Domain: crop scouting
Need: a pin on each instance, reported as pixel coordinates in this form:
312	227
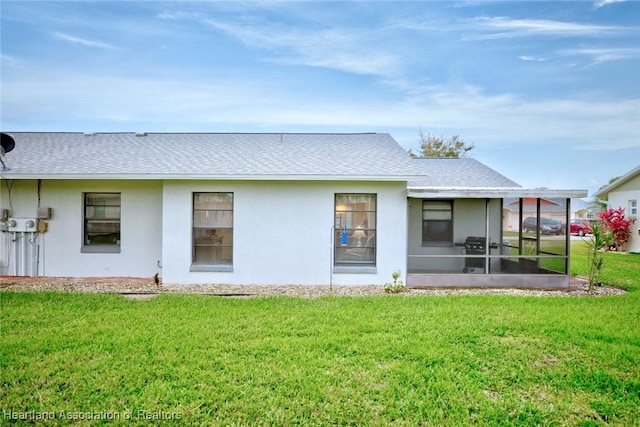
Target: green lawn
482	359
620	269
552	248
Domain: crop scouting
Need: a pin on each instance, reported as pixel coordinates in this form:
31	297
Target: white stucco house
624	192
243	208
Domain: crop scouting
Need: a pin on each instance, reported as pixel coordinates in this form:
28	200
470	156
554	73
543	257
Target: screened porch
478	239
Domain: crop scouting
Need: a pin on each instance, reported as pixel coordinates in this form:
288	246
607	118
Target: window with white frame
355	230
212	229
101	222
437	222
633	208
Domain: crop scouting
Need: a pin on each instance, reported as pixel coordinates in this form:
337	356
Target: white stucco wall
620	197
282	232
59	249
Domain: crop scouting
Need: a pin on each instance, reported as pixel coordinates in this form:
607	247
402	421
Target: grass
620	269
552	250
191	359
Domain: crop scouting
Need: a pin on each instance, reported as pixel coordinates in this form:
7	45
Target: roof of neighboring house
546	205
468	178
585	204
306	156
617	183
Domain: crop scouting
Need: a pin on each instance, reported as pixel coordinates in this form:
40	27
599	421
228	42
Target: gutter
262	177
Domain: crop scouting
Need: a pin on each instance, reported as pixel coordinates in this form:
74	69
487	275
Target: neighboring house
550	208
587	209
306	209
625	192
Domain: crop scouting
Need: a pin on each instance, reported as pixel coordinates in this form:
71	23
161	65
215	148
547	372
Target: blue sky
549	92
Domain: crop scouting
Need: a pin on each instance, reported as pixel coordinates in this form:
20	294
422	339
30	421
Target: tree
616	223
438	146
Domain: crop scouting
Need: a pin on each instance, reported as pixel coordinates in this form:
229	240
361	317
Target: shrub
619	226
397	286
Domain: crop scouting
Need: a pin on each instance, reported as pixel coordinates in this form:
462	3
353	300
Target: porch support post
487	245
567	237
520	216
538	229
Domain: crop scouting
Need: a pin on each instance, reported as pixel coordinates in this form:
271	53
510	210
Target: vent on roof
89	134
140	134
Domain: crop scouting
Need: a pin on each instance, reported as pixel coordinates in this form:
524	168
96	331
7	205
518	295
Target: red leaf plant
616	223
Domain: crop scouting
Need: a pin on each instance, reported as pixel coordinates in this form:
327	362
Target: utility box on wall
44	213
22	225
43	226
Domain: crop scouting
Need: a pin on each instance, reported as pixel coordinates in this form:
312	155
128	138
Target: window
212	229
633	208
101	222
437	222
355	230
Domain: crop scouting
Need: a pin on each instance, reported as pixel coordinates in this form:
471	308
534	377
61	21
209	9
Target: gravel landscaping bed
143	288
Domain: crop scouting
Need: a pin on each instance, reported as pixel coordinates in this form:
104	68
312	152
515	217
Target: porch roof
424	192
451	178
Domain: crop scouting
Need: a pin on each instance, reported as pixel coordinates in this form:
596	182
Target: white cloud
9	60
348	50
84	42
599	56
601	3
503	27
233	103
530	58
188	100
595	55
179	15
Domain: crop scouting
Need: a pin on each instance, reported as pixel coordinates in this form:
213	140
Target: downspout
34	252
24	254
333	235
36	266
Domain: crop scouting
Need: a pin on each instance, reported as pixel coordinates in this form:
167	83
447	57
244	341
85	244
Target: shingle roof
459	173
468	178
213	155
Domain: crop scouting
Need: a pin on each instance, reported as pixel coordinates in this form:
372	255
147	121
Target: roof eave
618	182
221	177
